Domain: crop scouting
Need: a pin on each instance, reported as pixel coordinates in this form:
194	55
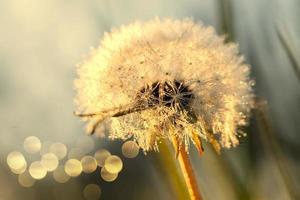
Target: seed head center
173	94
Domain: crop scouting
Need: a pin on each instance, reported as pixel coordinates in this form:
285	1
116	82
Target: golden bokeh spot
130	149
20	170
73	167
101	156
89	164
16	161
49	161
26	180
59	149
92	192
32	144
60	175
37	170
113	164
107	176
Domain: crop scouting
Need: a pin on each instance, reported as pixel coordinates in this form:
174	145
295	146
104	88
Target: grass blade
287	43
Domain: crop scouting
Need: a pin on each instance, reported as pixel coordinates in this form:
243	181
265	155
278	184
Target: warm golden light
25	179
130	149
16	161
32	144
20	170
108	177
73	167
59	149
49	161
60	175
113	164
101	156
85	143
37	170
89	164
92	192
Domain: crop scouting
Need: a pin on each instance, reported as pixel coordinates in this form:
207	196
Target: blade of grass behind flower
291	51
237	185
226	19
268	138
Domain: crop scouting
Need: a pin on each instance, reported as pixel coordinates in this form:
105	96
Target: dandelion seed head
166	79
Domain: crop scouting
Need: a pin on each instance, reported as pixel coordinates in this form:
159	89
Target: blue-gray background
41	41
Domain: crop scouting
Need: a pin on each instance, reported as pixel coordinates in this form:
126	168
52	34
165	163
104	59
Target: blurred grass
268	137
226	27
226	19
287	43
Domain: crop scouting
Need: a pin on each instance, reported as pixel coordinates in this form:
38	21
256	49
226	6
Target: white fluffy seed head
132	82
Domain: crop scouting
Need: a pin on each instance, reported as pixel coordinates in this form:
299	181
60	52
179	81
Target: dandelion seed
172	79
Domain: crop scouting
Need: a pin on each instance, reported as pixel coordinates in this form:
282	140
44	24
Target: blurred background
42	41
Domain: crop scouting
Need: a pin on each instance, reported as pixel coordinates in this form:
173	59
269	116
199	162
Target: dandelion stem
188	173
167	164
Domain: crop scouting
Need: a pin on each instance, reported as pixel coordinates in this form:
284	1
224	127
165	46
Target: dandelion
166	79
172	79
